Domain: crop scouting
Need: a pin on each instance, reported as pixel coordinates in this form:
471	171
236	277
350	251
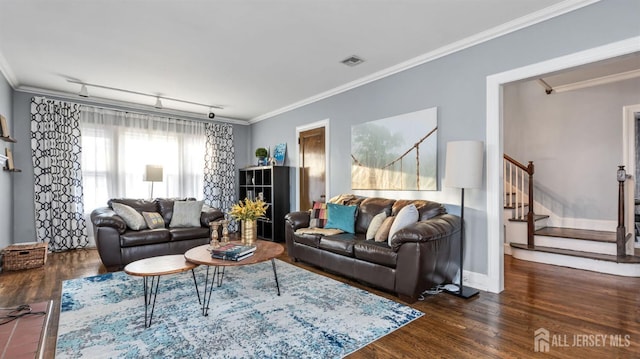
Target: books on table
233	252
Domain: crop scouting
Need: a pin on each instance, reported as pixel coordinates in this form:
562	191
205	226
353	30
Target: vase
249	231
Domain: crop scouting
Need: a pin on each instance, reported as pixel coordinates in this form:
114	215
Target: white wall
574	139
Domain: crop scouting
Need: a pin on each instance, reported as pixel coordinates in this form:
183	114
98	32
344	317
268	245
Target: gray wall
6	178
24	223
575	141
456	84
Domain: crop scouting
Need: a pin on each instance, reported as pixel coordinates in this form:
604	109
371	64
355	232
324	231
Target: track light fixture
84	93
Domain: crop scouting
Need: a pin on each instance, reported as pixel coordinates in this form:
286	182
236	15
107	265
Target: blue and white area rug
315	316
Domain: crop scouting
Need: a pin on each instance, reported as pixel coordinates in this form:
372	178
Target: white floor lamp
153	173
463	169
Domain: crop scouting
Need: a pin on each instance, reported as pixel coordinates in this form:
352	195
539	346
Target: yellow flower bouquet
249	210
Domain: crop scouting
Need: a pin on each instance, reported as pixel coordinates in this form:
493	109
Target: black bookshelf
273	183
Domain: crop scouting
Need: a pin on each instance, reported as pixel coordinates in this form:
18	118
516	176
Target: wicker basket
25	256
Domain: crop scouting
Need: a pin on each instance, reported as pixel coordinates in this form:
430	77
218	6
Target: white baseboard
476	280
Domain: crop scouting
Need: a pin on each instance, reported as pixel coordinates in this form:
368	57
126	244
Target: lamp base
466	292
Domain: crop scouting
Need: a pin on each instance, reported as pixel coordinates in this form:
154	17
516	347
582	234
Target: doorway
494	152
312	173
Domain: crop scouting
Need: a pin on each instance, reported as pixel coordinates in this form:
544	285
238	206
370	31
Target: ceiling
254	58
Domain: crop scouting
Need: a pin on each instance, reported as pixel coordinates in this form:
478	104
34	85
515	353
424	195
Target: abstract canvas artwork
396	153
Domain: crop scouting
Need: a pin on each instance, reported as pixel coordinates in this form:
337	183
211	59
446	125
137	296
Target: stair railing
514	190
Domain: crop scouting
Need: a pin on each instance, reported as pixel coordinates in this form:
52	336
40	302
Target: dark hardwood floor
576	307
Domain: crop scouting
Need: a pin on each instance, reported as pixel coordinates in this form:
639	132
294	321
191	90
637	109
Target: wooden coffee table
150	269
200	255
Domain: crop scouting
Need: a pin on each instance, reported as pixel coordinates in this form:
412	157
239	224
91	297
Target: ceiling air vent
352	61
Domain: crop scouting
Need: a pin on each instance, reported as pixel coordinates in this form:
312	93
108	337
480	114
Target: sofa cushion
186	214
426	209
154	220
318	216
341	217
382	234
375	252
339	244
144	237
181	234
311	240
369	208
131	217
140	205
408	215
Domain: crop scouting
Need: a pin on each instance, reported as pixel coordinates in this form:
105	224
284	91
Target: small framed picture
9	154
280	153
4	126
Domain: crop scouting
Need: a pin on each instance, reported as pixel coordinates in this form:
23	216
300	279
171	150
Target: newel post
621	231
530	219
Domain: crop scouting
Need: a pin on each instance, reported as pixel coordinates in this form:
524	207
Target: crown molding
603	80
484	36
129	105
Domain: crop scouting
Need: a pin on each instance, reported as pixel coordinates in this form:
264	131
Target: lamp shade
463	166
153	173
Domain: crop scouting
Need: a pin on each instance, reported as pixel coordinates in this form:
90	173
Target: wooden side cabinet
272	183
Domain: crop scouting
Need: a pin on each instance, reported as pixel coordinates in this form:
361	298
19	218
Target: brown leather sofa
119	245
421	256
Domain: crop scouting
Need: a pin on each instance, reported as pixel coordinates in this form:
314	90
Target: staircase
528	236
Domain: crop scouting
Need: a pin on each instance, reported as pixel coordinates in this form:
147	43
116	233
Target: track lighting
83	91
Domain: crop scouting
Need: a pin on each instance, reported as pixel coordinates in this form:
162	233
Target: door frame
629	161
327	154
495	144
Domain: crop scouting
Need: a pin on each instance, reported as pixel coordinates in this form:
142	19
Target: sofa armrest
106	217
432	229
297	220
209	215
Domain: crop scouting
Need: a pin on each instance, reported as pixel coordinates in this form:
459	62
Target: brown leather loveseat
119	245
421	255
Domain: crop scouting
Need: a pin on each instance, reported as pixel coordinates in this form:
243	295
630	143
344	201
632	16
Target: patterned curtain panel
219	168
55	143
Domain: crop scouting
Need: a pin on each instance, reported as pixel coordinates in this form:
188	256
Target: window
116	147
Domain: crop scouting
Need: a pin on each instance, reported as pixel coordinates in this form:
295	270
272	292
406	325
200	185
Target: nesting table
201	256
150	269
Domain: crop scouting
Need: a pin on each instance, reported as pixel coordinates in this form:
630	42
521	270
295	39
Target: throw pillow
375	224
154	219
318	216
341	217
383	232
186	214
406	216
131	217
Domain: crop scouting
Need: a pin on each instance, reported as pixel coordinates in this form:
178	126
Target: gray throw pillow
186	214
131	217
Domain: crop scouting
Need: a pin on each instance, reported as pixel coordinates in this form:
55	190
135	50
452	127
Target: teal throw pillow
341	217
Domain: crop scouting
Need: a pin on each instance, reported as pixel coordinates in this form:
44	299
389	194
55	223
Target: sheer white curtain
116	147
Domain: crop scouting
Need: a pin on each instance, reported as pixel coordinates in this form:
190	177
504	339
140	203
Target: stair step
585	234
568	252
536	217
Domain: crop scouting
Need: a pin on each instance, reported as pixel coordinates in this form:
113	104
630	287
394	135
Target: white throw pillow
186	214
132	218
406	216
376	222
